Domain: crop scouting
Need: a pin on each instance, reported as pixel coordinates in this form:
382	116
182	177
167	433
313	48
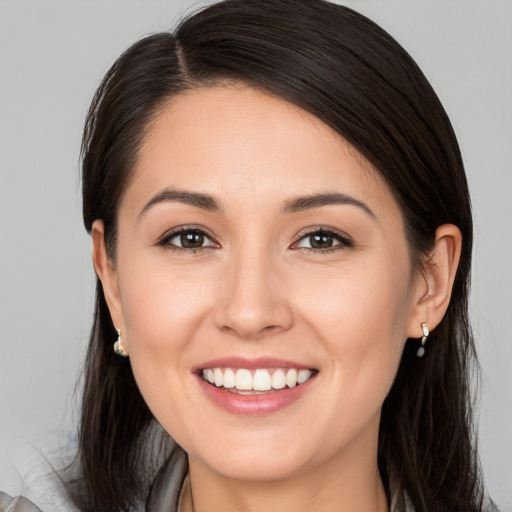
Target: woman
282	237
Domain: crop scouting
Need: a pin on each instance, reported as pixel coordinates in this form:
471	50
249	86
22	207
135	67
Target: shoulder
166	488
31	477
17	504
489	506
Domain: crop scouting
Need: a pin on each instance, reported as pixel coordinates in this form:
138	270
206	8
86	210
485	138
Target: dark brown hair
347	71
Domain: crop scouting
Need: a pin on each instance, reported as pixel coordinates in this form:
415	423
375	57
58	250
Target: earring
426	332
118	347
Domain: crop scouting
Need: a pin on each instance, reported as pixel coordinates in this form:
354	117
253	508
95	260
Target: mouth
254	386
244	381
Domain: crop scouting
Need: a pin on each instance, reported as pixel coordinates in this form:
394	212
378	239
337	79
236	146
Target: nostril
248	333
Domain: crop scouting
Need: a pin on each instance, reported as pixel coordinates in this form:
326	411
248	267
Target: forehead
239	142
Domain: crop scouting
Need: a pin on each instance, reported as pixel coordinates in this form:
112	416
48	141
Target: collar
165	491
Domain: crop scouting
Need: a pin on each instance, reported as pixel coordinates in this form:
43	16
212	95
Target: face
257	249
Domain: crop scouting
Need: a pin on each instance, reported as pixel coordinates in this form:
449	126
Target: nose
253	300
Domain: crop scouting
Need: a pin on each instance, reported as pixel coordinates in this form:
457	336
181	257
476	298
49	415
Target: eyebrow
298	204
302	203
203	201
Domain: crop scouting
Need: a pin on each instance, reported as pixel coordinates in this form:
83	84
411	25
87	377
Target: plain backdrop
53	54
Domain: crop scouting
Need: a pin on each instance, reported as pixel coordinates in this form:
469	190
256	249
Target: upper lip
250	363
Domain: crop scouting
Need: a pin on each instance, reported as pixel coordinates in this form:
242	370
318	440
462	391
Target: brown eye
191	240
188	239
321	241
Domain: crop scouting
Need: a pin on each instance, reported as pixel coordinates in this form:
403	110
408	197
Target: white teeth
219	377
256	380
291	378
278	379
262	381
303	376
243	380
229	379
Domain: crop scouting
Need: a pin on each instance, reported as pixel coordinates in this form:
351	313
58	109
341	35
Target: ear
107	274
434	281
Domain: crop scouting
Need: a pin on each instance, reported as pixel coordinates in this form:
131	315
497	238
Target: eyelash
344	240
184	230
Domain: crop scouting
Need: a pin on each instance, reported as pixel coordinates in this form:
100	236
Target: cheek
162	310
361	318
370	306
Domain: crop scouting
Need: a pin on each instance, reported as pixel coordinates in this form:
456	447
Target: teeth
243	380
291	378
262	381
229	379
303	376
258	380
219	378
278	379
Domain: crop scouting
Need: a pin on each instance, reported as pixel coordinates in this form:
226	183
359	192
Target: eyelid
178	230
342	237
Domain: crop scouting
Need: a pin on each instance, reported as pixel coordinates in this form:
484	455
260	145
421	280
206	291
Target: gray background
52	56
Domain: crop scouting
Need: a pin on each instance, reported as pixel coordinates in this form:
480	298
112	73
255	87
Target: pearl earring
118	345
426	332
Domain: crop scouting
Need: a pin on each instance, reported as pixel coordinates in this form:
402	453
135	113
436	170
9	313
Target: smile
254	387
245	381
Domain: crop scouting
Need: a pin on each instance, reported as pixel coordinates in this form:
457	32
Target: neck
348	481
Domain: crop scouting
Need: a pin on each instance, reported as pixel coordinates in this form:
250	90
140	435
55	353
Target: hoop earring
426	332
118	345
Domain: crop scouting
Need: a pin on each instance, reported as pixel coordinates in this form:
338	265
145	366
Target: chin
256	460
257	469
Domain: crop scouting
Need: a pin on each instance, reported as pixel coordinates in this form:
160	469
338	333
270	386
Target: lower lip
254	405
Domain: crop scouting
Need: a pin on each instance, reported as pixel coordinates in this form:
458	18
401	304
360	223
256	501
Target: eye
323	240
192	239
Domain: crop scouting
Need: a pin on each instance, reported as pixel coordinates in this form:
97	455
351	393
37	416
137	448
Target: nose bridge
253	299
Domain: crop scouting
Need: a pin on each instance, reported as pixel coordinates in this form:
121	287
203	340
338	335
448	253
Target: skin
259	290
